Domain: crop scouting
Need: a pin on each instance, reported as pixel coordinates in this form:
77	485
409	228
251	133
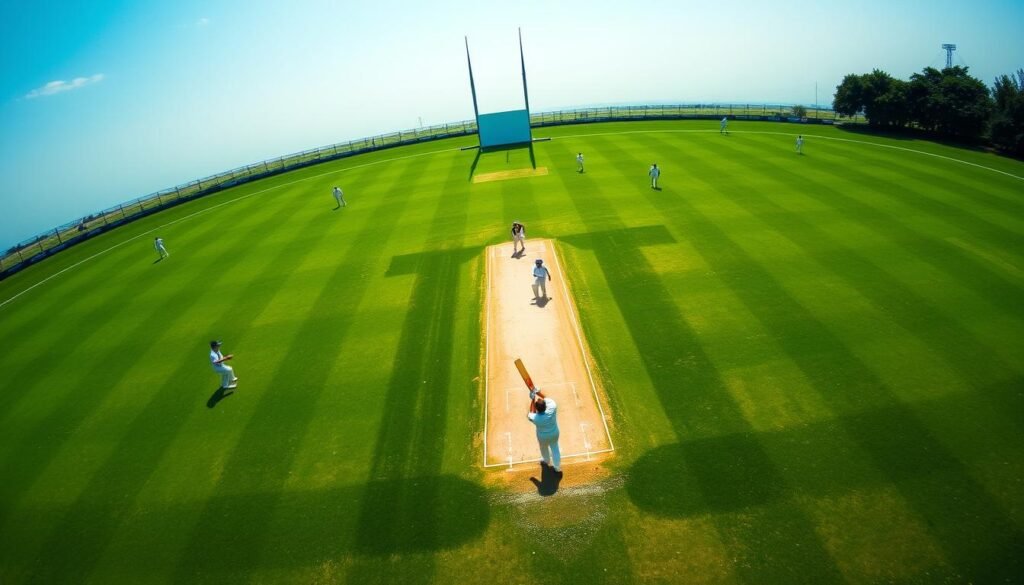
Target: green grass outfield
814	368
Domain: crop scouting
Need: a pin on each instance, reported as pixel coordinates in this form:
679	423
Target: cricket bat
525	375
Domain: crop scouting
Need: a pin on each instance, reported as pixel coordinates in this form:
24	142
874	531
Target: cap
214	343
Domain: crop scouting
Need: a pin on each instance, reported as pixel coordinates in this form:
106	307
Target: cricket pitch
547	336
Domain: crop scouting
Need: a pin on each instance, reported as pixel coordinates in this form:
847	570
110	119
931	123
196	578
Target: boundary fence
48	243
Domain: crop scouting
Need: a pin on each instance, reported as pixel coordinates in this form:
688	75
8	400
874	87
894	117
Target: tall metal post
526	94
472	85
949	48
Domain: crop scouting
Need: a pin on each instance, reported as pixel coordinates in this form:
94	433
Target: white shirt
655	172
337	192
547	421
723	121
158	243
521	233
215	356
579	158
541	271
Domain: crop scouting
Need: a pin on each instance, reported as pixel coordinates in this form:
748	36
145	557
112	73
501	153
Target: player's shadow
160	259
547	485
541	302
219	395
518	254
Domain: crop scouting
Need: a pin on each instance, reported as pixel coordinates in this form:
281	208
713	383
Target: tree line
948	102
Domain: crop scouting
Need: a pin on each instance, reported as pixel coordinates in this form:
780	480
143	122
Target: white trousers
540	286
162	251
549	451
227	375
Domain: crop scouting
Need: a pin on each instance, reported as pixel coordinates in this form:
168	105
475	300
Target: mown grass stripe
934	482
971	208
397	513
94	518
944	334
697	403
75	407
261	460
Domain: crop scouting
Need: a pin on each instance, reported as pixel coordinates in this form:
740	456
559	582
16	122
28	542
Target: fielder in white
158	244
579	163
227	373
800	144
518	237
541	276
723	129
543	414
339	196
654	173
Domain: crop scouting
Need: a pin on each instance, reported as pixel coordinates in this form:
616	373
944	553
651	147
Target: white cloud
60	86
202	22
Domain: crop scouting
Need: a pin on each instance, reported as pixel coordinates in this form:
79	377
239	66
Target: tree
799	111
849	100
924	98
881	97
885	99
966	104
1007	127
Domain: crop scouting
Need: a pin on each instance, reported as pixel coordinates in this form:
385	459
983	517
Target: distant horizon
103	101
4	247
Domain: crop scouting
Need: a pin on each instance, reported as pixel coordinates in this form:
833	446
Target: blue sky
103	101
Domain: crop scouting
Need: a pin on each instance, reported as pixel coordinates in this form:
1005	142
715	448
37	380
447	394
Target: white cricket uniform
520	236
800	144
579	162
227	373
339	197
158	244
547	433
655	172
725	121
540	281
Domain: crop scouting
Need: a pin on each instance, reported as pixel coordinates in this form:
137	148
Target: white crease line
586	442
564	457
583	352
509	435
487	350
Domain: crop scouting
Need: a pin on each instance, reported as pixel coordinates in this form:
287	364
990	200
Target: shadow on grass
856	455
472	167
548	483
457	513
310	527
689	479
219	395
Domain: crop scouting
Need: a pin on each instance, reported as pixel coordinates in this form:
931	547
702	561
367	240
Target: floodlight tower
949	48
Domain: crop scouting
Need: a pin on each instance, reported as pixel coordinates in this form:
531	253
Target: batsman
543	414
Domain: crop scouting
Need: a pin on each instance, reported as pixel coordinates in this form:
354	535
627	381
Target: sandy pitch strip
548	339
